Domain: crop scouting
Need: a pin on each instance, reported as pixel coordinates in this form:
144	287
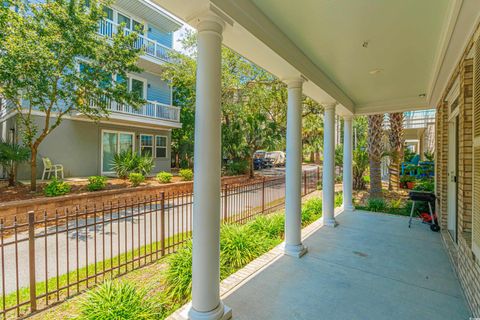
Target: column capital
348	117
209	19
295	82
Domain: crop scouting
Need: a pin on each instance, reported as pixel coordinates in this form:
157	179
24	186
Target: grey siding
77	146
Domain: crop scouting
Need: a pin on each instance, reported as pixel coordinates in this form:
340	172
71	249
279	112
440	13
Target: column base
330	222
295	251
222	312
349	208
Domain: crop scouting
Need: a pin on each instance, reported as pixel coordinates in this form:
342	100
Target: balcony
150	47
152	109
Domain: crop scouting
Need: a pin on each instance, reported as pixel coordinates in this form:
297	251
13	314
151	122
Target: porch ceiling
403	40
412	46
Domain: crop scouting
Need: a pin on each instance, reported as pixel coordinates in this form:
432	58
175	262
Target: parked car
261	161
278	158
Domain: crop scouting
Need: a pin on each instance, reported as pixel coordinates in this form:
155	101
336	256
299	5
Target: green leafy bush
237	167
178	276
311	210
56	188
239	245
186	174
164	177
271	227
338	199
425	185
395	203
127	162
96	183
118	300
136	178
376	205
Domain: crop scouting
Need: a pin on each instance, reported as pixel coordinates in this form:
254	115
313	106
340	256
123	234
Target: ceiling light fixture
422	95
365	44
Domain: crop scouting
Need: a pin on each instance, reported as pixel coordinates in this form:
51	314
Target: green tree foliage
253	107
53	61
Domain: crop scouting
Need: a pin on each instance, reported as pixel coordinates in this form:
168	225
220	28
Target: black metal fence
59	254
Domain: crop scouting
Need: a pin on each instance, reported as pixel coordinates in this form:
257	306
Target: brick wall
465	263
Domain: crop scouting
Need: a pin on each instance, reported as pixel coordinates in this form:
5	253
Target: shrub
395	204
311	210
271	227
376	205
239	245
425	185
338	199
186	174
136	178
96	183
56	188
178	275
237	167
127	162
118	300
164	177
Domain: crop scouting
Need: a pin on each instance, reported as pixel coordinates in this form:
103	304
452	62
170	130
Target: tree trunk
251	174
177	160
11	176
375	133
33	170
312	157
396	139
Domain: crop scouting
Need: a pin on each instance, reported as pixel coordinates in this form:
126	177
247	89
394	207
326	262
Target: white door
452	177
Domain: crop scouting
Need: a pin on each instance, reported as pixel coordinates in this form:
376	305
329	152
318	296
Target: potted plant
407	182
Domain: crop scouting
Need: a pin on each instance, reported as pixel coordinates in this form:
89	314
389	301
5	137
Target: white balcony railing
150	47
151	109
5	107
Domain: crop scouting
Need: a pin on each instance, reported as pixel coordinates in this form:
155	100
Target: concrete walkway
370	267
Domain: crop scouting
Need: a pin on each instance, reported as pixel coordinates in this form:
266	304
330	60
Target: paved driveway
370	267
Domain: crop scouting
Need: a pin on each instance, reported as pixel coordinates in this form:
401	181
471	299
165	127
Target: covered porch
372	266
354	58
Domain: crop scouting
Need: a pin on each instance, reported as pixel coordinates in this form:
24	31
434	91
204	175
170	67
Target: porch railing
150	47
151	109
48	256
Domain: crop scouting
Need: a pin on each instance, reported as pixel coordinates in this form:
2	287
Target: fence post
304	183
162	224
31	261
263	195
225	203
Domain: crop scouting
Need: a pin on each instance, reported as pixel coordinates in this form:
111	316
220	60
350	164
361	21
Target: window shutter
476	152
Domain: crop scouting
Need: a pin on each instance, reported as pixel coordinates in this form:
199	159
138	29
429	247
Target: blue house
146	130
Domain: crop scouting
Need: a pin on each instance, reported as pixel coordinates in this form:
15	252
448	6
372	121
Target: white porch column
347	163
206	304
329	166
293	197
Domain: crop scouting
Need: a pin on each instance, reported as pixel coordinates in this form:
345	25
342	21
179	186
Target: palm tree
395	138
11	154
375	146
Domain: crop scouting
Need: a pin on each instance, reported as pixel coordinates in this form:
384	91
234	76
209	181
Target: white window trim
166	146
116	11
118	146
140	143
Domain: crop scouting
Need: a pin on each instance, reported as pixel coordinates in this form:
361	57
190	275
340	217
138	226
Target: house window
125	20
108	13
114	142
146	145
161	146
138	86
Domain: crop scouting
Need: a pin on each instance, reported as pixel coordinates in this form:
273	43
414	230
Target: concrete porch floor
370	267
